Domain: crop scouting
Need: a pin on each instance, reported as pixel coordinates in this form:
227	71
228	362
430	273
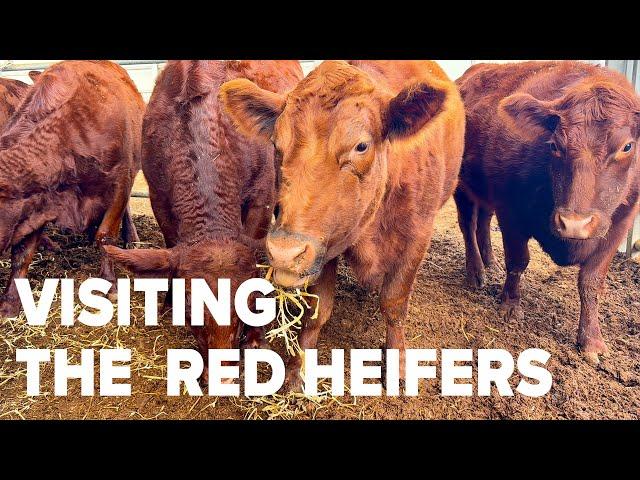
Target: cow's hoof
475	279
592	350
511	311
292	383
49	245
591	358
254	339
494	267
9	309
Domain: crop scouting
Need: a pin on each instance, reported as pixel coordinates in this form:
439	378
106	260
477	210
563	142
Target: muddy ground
443	314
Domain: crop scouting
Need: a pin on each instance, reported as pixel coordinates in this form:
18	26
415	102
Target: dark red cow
212	189
68	156
551	148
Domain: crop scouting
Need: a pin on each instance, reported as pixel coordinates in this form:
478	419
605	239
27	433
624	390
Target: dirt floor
443	314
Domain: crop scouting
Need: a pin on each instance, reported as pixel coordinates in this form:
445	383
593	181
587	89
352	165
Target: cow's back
77	130
88	106
194	159
483	85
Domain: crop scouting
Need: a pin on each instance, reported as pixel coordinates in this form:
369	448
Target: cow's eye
627	147
362	147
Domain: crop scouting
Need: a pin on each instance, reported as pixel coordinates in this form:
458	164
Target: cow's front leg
107	234
591	281
394	303
129	232
516	253
308	338
483	234
468	222
396	291
21	257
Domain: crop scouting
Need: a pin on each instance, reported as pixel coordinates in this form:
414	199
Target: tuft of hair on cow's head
528	116
50	91
253	110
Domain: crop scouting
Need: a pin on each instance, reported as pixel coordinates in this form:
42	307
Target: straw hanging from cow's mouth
292	305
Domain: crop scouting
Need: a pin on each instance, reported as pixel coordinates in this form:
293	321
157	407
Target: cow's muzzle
574	225
297	259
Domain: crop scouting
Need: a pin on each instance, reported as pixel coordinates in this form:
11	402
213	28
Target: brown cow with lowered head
212	189
68	156
370	151
11	94
551	147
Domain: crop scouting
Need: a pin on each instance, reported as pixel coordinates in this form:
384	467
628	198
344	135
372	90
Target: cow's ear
529	116
51	92
34	74
143	262
253	109
411	109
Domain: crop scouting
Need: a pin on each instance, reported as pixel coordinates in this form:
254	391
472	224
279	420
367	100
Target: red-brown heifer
551	148
212	189
370	151
68	156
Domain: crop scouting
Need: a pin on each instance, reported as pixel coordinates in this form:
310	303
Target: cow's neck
376	242
212	207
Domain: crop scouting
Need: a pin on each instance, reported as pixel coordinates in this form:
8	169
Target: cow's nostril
286	254
576	222
298	258
575	225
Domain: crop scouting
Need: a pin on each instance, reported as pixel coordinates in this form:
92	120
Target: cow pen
443	311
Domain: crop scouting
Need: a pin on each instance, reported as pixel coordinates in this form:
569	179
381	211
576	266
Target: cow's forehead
598	105
334	94
352	117
328	85
579	129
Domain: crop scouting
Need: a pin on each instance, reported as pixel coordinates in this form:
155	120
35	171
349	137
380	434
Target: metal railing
17	67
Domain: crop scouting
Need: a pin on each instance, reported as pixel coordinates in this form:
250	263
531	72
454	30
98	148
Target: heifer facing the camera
11	94
551	147
370	151
212	189
68	156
